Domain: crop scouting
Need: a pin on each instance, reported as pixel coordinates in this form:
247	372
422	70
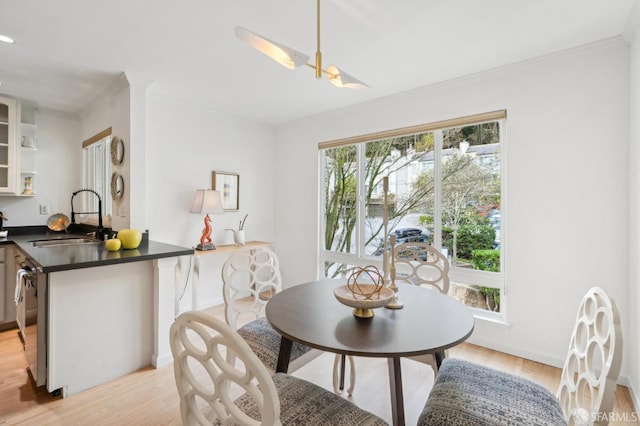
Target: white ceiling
69	51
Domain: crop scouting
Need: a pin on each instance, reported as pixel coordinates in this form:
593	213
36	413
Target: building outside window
444	188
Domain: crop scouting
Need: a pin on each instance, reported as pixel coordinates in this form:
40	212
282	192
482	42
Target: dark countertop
64	258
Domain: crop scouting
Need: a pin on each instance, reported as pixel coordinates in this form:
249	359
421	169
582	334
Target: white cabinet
18	149
9	119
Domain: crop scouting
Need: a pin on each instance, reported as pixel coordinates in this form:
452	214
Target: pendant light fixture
293	59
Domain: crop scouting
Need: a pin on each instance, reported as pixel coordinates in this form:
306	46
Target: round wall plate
117	186
117	150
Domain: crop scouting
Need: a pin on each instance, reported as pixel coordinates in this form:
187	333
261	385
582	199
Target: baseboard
635	396
533	356
8	326
161	360
202	305
210	303
549	360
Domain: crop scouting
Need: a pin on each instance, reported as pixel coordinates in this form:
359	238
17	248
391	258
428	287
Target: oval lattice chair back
468	393
221	381
591	369
250	277
421	264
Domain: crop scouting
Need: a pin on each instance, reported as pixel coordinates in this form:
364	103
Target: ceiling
69	51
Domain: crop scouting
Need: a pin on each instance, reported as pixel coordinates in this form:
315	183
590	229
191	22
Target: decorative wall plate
117	150
117	186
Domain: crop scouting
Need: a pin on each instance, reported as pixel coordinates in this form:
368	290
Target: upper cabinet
9	120
18	149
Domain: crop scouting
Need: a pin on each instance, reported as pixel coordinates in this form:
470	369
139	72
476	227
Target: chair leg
352	375
339	368
343	366
336	368
439	357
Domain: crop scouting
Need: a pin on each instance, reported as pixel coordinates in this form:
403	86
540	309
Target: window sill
499	321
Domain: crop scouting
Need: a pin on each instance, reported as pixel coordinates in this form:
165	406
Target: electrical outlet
44	209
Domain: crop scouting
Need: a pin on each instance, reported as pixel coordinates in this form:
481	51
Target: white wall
565	225
185	144
633	343
59	164
171	151
113	109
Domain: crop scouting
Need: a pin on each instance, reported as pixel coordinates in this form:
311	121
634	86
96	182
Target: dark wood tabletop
430	322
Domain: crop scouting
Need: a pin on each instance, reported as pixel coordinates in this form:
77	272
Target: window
96	168
444	188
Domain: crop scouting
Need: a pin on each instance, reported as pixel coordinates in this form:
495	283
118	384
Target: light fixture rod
321	70
318	53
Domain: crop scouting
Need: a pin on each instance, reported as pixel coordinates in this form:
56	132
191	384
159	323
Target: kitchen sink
60	242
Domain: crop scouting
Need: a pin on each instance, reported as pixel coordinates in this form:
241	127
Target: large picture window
444	188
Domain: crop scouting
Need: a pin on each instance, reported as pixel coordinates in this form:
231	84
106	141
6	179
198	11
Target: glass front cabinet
18	149
9	121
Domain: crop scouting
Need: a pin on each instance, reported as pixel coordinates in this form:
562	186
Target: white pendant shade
207	201
341	79
292	58
282	54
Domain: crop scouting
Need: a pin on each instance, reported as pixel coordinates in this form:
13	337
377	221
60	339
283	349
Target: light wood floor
149	396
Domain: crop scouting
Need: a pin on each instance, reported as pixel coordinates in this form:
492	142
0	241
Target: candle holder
395	302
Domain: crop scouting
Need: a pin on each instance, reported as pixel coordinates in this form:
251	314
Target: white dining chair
465	393
250	277
220	380
422	265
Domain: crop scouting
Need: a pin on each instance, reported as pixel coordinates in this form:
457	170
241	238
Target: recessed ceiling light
6	39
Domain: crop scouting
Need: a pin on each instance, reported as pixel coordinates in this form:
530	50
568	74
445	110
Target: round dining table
428	323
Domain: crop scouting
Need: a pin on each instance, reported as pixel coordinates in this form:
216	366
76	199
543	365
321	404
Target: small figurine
28	189
205	240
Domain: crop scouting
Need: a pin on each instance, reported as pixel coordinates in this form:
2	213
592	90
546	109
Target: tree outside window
453	173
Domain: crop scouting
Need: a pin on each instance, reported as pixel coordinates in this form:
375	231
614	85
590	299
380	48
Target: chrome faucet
99	212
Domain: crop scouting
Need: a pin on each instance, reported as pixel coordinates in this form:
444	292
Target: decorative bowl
130	238
364	304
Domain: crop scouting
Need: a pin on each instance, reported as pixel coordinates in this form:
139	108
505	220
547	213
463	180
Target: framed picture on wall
229	186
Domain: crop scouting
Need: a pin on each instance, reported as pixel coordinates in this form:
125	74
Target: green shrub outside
474	237
488	260
470	237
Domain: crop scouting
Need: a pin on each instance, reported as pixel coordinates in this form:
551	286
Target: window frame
102	142
456	274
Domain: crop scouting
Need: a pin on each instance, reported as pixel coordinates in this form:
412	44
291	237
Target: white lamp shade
282	54
207	201
341	79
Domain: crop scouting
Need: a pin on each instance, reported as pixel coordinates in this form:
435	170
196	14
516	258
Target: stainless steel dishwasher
31	295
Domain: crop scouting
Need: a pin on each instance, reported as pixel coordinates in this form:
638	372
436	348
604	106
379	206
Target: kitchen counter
100	314
63	258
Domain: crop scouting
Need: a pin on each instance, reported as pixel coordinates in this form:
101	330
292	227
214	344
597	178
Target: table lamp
207	201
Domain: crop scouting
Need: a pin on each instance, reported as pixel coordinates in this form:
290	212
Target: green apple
113	244
130	238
